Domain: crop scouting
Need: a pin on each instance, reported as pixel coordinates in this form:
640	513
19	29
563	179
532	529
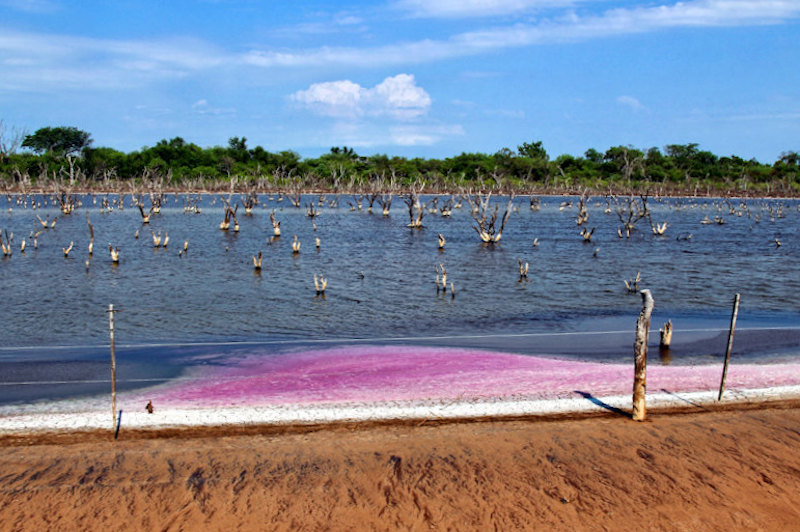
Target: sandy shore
381	438
733	468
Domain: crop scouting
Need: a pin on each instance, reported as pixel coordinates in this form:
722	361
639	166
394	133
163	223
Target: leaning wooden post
640	356
730	346
113	368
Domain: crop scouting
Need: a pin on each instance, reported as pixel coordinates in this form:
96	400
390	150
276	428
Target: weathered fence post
730	346
113	367
640	356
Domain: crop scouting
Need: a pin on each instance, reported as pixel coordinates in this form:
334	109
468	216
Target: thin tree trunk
640	356
113	366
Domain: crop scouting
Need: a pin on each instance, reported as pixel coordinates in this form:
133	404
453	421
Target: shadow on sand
601	404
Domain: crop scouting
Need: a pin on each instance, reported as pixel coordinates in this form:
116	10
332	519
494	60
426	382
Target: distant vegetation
65	153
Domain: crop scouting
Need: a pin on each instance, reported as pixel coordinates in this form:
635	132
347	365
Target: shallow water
180	311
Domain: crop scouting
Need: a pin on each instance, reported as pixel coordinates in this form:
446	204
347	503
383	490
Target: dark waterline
382	288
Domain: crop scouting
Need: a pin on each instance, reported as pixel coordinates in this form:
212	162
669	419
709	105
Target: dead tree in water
486	218
64	197
583	214
276	225
385	201
320	284
153	182
230	214
447	209
658	229
249	202
441	278
145	217
523	270
630	211
294	190
633	284
91	234
666	335
416	209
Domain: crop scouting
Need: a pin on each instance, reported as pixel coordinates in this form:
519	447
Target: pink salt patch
396	373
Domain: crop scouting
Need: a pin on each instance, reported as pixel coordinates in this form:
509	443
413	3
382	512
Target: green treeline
677	168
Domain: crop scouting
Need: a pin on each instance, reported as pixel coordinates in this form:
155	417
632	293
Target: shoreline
378	383
282	192
302	417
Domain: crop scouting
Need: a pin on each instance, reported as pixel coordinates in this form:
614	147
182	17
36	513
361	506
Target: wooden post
113	368
730	346
640	356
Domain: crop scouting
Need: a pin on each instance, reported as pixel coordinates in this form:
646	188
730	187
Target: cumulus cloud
397	96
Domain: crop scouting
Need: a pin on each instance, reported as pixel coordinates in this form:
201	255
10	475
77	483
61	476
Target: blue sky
427	78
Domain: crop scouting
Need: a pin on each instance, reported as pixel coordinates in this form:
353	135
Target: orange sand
736	469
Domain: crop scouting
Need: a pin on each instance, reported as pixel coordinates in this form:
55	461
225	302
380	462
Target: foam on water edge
395	382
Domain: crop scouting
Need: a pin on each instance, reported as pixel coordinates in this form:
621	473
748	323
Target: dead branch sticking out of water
666	334
385	201
320	284
633	284
447	209
230	214
91	234
145	217
630	210
658	229
416	209
486	218
523	271
276	225
441	278
5	245
249	201
583	213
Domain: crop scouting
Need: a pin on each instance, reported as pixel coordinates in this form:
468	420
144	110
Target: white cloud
39	61
473	8
567	28
397	96
630	101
